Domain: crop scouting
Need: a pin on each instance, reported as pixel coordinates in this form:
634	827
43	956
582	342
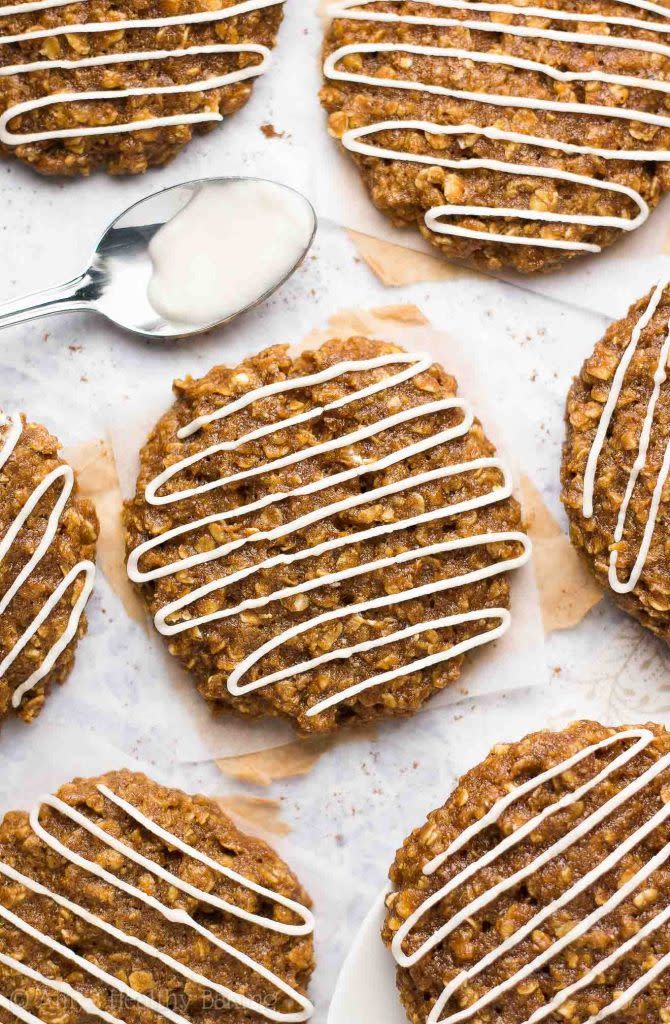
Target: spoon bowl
116	284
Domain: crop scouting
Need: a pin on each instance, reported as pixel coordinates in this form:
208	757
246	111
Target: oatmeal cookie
125	901
75	98
540	890
324	536
616	460
47	546
508	140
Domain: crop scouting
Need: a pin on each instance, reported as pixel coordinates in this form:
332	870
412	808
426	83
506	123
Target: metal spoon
116	283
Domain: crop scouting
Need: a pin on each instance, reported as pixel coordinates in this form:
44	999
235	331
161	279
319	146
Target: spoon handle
60	299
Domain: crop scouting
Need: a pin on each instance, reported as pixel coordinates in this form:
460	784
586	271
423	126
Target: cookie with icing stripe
616	461
121	901
539	891
324	536
511	134
48	534
93	84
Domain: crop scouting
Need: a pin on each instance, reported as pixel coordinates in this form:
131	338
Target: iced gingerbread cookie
122	900
616	460
91	84
539	891
48	535
511	135
324	536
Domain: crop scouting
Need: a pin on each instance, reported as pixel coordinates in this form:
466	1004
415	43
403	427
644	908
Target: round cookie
48	535
121	900
324	536
94	85
539	891
508	140
616	459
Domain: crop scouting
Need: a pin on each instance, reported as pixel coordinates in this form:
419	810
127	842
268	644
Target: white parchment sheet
514	352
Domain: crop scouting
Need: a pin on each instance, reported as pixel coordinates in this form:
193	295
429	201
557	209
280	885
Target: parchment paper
494	669
397	266
256	814
568	592
98	479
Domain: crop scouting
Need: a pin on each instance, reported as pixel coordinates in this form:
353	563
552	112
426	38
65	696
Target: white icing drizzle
416	364
18	1011
10	138
176	916
65	475
659	378
62	987
355	138
643	738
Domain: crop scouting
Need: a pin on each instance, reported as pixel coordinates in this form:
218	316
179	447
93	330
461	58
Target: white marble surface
84	379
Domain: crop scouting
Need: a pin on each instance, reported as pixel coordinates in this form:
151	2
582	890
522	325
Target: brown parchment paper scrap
396	265
259	813
567	589
288	761
371	323
401	314
98	480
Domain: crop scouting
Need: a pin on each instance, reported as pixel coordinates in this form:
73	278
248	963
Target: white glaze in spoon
231	243
119	278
